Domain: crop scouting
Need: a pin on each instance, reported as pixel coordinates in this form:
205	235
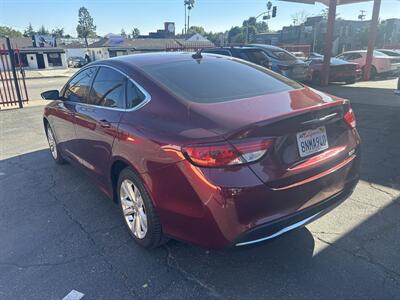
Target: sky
216	15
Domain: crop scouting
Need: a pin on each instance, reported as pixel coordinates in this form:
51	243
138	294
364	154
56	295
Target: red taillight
225	154
350	118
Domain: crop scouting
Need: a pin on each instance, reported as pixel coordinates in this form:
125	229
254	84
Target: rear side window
133	95
213	79
108	89
77	89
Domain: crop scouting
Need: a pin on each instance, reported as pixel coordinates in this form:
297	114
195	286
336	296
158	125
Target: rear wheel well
116	169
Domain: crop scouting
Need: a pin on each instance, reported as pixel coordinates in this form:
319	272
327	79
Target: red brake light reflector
350	118
225	154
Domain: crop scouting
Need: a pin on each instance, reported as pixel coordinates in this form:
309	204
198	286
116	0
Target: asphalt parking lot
59	233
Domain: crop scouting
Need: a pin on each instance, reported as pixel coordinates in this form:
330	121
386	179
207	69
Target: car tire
373	73
351	81
137	210
54	149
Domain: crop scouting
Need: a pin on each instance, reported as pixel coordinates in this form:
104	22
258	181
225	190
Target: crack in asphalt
392	274
173	264
100	250
373	186
364	203
48	264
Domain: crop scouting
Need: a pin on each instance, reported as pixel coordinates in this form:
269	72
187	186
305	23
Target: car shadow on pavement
70	230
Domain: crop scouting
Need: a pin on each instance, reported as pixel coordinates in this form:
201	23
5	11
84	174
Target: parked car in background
76	62
285	63
299	55
253	55
382	64
390	52
315	55
207	149
339	70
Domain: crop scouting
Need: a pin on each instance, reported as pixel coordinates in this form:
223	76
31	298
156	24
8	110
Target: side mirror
51	95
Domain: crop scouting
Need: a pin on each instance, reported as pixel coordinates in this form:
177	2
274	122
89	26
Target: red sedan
206	149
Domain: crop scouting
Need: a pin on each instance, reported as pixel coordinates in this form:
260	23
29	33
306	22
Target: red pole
328	42
372	38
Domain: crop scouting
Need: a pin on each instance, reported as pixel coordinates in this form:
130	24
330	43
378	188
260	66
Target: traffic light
274	12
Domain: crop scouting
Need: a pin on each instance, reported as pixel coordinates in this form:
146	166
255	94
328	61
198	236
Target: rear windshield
282	55
216	79
256	56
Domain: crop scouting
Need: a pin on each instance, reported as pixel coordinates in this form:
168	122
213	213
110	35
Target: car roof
135	61
270	47
355	51
228	48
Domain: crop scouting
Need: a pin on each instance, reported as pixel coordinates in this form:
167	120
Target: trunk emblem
319	120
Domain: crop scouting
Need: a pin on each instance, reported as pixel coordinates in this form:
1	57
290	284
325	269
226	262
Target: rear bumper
342	76
216	208
296	220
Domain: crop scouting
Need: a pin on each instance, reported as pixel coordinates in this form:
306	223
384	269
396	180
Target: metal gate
13	90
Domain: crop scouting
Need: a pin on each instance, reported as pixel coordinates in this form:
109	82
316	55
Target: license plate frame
312	141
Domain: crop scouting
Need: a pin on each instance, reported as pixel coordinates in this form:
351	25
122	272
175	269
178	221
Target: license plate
312	141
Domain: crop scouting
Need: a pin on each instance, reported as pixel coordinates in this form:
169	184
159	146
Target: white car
299	55
382	64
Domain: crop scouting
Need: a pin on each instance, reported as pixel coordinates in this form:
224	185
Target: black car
254	55
76	62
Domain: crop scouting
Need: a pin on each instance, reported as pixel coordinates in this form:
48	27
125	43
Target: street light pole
185	16
189	4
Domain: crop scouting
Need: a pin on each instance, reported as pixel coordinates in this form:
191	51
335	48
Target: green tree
58	32
135	33
42	30
123	33
196	29
85	27
28	32
234	33
10	32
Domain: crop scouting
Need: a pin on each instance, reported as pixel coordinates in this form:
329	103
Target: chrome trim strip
140	105
280	232
318	120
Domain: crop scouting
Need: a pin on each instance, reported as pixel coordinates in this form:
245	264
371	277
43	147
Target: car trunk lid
282	117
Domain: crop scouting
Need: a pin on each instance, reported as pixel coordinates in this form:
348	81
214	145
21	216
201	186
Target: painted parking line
74	295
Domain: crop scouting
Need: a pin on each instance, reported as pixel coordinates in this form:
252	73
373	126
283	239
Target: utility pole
372	38
328	42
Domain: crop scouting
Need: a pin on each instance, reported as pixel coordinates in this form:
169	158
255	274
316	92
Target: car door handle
105	124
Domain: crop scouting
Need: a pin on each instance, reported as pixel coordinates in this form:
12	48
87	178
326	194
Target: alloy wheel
52	143
133	208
